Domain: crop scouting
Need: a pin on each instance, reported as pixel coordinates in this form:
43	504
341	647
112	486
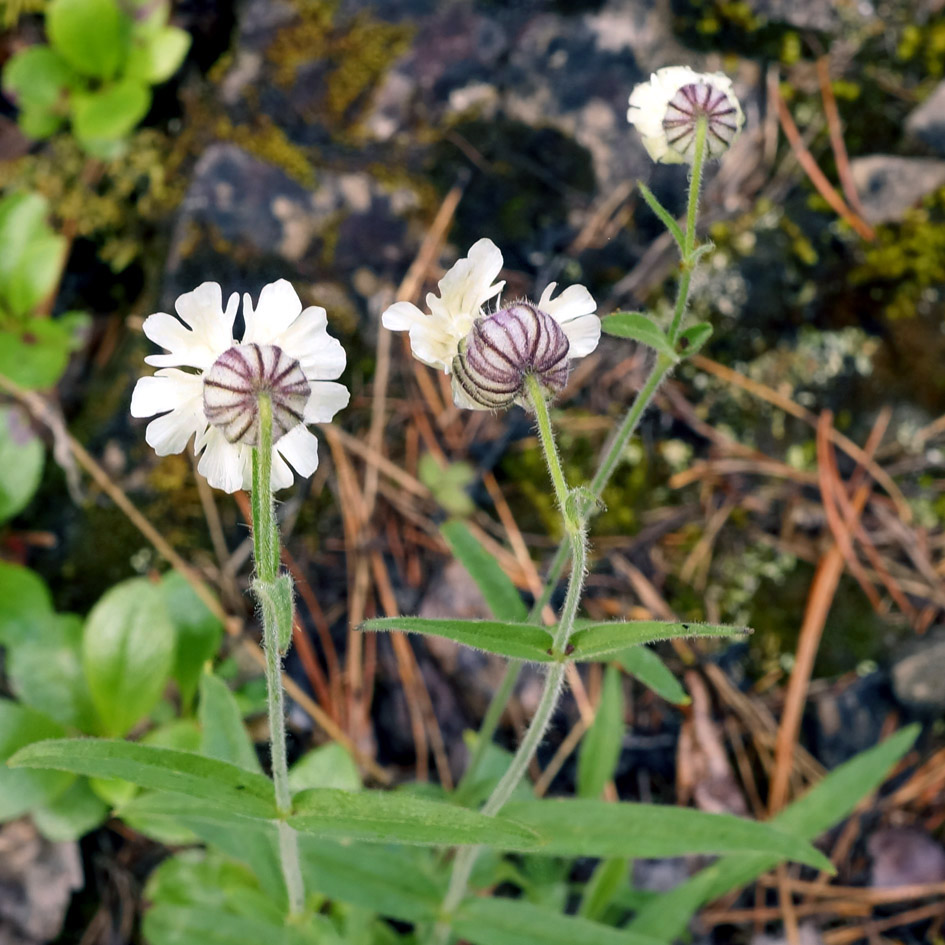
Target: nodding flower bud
667	111
502	349
235	381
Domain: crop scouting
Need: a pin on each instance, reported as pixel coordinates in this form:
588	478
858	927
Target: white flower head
666	111
285	352
465	291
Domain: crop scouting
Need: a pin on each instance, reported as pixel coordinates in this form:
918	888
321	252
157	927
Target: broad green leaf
72	814
608	878
127	653
495	921
449	486
645	665
160	769
329	766
35	354
600	747
25	604
37	77
496	586
388	817
400	882
224	734
198	632
91	35
46	674
22	220
638	328
521	641
21	459
820	808
602	640
194	925
155	59
694	338
36	275
575	827
110	113
21	791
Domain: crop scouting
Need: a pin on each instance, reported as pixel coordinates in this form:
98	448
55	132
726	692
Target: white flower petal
282	476
209	334
222	464
278	307
299	447
574	302
583	335
166	390
307	340
402	316
326	399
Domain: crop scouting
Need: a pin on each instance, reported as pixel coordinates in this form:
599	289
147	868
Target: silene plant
417	856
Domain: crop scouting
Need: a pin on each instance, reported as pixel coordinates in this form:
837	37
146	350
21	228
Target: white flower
465	290
666	111
284	350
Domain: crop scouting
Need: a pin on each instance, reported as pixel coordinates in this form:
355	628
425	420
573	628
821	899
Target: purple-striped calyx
236	380
504	348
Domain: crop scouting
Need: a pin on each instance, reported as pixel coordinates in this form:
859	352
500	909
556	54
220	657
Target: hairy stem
610	458
266	553
466	858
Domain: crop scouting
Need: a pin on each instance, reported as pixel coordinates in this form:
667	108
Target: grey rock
903	856
851	720
927	122
802	14
919	678
889	185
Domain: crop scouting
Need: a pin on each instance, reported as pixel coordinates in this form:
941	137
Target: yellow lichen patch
266	140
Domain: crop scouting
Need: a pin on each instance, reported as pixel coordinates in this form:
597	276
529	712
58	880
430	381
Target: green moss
356	56
267	141
904	270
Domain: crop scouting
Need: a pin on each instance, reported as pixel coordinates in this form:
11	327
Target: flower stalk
554	680
612	452
274	595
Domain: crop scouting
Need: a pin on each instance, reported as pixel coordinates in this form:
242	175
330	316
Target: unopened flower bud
502	349
667	111
234	383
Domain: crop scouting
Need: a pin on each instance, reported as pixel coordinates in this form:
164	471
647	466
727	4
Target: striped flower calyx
667	111
502	349
692	102
235	381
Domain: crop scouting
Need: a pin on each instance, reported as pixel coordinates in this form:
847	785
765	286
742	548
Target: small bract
465	292
667	109
285	353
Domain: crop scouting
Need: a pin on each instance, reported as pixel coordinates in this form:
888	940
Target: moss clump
355	55
114	204
267	141
904	270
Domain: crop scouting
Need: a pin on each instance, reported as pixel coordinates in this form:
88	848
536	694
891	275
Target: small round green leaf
21	459
25	604
93	36
159	55
110	113
38	77
127	653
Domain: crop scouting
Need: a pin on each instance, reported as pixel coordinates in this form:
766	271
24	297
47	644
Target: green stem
466	858
266	552
609	461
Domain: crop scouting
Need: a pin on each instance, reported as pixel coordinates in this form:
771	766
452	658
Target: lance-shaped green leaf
521	641
819	809
494	921
600	747
638	327
160	769
496	586
602	640
389	817
645	665
597	828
